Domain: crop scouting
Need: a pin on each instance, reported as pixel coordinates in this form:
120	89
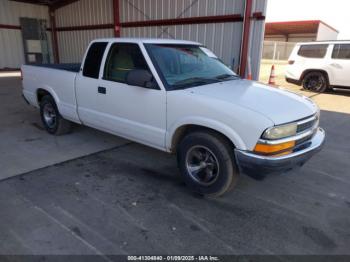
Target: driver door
134	112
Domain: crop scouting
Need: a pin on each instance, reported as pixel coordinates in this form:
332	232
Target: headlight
279	132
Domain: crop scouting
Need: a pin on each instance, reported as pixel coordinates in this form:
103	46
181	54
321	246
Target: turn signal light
291	62
272	149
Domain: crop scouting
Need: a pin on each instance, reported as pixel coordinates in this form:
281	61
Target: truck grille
304	126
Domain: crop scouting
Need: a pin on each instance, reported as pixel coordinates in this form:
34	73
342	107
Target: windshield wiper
190	82
226	76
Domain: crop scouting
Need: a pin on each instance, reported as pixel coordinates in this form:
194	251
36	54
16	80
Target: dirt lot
130	200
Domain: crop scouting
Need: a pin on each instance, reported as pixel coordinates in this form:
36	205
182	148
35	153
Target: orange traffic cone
272	78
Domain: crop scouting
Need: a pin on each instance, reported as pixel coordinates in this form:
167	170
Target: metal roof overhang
54	4
294	27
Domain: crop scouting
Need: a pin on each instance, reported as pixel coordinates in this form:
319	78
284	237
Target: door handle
102	90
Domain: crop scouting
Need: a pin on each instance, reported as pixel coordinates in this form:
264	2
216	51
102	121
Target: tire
52	119
316	82
207	165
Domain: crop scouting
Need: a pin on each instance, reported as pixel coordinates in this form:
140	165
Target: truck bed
67	67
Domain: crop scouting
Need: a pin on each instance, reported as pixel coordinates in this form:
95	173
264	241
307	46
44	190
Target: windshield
183	66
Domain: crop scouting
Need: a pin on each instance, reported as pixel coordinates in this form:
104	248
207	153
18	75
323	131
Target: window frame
313	45
101	59
337	51
108	56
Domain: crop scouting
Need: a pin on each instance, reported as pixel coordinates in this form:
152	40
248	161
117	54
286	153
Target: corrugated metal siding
220	38
11	44
257	38
10	12
85	12
72	44
142	10
223	38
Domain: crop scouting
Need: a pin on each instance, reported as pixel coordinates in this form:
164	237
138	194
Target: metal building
300	31
233	29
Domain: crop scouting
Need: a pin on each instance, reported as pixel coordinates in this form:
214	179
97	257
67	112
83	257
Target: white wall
325	33
11	43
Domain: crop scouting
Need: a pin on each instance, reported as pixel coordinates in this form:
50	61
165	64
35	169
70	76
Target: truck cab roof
146	41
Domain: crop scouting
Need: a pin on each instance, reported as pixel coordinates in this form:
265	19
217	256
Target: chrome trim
301	122
287	139
257	165
298	136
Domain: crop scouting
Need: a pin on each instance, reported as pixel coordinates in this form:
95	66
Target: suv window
341	51
93	59
313	51
122	58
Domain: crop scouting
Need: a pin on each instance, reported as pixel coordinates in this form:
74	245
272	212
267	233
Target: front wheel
315	81
207	165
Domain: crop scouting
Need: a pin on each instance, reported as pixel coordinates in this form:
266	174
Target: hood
276	104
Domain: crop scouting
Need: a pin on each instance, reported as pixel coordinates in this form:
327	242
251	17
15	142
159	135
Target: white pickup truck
177	96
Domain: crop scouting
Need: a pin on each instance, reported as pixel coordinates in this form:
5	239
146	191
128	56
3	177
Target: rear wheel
207	164
315	81
51	118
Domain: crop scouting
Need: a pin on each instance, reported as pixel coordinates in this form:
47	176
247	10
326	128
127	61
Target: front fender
208	123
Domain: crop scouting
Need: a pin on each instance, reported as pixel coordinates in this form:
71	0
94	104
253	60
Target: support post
116	18
245	37
56	56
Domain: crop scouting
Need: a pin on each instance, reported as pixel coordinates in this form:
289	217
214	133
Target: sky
336	13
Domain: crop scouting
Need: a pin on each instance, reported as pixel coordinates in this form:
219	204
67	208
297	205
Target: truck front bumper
258	166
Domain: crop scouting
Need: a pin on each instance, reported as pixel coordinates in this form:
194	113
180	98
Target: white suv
318	66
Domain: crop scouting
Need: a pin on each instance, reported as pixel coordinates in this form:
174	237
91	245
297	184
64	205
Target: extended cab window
313	51
341	51
93	60
122	58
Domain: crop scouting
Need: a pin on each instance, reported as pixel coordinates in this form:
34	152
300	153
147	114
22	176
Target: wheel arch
323	71
41	92
178	133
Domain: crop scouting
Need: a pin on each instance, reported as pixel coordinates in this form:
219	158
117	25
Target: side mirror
142	78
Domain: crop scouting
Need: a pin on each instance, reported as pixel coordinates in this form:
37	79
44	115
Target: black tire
48	110
220	179
316	82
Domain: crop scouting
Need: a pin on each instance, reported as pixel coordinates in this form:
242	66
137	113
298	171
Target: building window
313	51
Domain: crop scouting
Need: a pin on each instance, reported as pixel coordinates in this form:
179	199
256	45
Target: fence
274	50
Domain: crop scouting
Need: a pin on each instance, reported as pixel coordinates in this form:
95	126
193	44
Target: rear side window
313	51
341	52
93	59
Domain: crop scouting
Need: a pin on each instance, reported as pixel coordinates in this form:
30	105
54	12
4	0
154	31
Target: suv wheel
51	118
207	164
315	81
